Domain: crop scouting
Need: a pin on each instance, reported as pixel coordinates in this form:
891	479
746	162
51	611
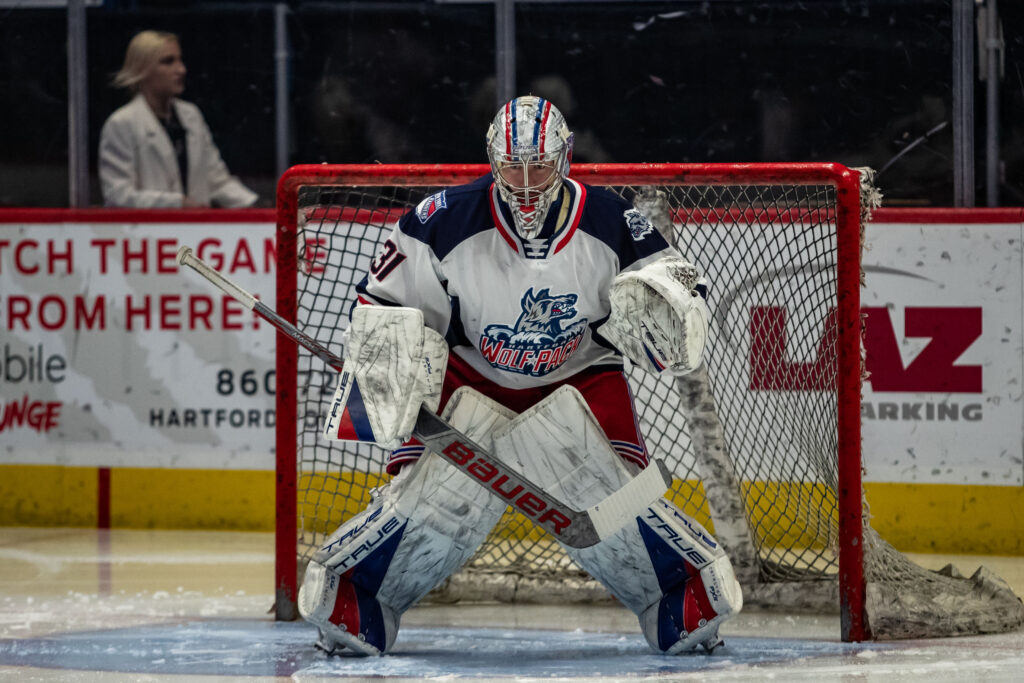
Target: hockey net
764	440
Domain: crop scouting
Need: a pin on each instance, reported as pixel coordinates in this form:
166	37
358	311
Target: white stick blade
629	502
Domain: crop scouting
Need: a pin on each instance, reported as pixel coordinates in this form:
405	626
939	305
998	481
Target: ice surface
263	648
158	606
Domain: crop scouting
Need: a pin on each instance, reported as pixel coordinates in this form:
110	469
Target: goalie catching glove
393	364
658	320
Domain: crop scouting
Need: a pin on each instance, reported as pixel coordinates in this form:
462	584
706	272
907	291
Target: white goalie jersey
523	313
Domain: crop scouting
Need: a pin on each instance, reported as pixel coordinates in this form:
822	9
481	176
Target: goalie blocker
393	365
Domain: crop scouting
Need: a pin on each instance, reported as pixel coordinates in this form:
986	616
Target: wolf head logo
637	224
541	340
543	313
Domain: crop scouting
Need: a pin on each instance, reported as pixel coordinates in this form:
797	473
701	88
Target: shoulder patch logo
431	205
637	224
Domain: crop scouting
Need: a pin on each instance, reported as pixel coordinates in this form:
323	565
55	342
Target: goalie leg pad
663	566
419	529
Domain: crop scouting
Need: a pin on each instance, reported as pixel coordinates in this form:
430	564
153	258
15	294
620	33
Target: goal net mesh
751	438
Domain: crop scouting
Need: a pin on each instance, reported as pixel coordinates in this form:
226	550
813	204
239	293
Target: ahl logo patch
431	205
536	344
637	224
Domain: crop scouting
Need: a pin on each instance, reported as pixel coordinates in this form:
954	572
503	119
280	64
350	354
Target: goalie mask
529	146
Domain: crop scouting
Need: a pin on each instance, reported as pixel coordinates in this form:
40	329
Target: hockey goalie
509	305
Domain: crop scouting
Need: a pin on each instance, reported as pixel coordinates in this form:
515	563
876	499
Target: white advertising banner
943	336
111	356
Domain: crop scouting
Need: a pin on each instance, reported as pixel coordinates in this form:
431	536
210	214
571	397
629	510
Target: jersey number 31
386	261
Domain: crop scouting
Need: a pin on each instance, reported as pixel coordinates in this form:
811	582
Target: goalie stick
575	528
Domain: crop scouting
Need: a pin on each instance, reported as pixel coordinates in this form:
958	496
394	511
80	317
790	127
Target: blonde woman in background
157	151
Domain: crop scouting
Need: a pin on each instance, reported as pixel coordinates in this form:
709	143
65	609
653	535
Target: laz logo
934	369
952	331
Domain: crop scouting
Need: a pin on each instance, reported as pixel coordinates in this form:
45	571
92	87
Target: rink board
913	517
135	396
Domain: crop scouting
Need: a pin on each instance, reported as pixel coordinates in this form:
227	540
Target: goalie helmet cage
763	440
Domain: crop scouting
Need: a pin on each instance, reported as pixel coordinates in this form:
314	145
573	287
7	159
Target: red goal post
764	439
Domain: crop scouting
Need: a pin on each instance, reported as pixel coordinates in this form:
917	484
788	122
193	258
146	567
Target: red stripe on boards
103	498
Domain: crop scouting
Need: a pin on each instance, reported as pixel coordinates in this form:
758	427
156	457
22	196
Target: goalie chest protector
520	312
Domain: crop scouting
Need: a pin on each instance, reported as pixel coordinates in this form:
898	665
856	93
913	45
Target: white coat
138	168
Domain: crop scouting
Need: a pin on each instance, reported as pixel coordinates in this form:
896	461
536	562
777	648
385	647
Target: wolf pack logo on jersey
637	224
537	343
431	205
